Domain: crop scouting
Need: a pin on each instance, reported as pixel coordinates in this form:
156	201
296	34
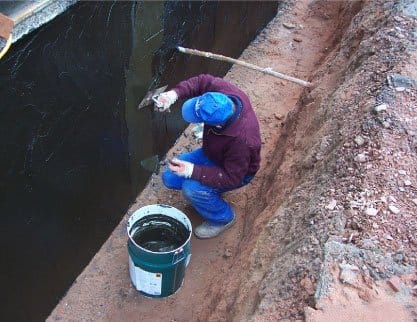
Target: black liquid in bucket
159	233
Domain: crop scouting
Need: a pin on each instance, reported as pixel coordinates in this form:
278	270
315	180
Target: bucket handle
177	256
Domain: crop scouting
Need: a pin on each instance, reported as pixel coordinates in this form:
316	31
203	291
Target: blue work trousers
207	201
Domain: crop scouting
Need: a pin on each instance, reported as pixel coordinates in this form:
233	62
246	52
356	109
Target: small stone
398	257
394	209
315	241
307	284
402	172
400	89
298	39
371	212
288	25
278	116
375	225
407	183
361	158
348	274
332	204
395	283
227	253
349	267
386	124
380	108
359	140
368	243
388	237
310	313
414	201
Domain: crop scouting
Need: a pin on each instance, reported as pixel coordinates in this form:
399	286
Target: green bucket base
158	274
153	290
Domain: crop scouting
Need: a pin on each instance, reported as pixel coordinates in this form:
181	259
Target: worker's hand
164	100
181	168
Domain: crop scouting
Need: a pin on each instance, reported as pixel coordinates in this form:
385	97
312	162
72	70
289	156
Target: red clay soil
335	196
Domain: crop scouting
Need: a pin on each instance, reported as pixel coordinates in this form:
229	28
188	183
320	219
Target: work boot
207	230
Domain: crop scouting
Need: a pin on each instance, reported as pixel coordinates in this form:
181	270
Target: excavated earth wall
337	156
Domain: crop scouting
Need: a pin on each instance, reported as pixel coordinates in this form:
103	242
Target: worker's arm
194	86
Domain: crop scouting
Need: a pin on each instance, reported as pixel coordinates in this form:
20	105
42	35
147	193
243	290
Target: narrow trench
229	288
254	272
235	296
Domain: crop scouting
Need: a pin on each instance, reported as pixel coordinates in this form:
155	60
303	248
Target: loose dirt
327	226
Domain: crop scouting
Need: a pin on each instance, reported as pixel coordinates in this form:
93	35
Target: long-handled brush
265	70
147	100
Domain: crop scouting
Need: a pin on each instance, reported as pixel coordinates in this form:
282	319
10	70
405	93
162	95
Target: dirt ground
327	229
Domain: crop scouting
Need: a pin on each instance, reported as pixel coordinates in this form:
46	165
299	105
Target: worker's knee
195	191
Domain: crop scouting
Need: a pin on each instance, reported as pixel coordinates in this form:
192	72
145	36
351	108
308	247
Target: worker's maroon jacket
236	148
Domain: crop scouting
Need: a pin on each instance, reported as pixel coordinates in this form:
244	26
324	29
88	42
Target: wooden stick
268	70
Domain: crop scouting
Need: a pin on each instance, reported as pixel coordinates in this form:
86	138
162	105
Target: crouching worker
230	153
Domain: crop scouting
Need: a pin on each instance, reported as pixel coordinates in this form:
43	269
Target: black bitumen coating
71	138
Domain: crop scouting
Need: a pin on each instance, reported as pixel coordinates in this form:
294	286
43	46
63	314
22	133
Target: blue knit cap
212	108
